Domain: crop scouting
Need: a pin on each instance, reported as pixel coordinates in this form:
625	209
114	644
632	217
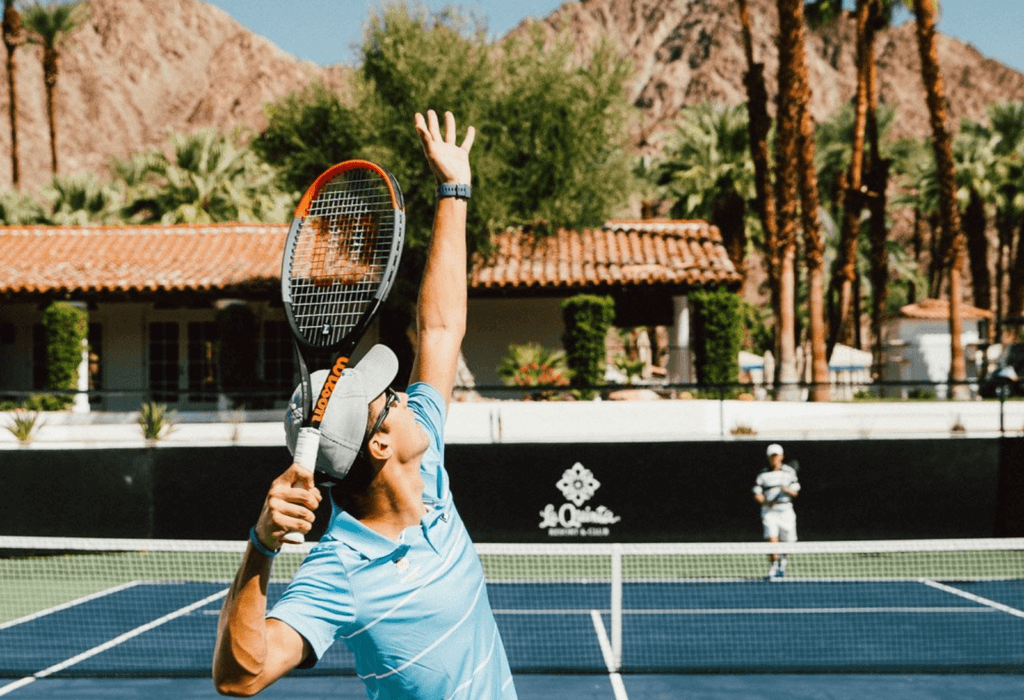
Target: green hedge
716	335
67	327
587	319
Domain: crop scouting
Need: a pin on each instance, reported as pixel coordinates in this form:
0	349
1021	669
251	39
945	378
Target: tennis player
775	489
395	576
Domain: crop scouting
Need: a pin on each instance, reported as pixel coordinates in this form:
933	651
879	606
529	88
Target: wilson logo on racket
332	380
343	249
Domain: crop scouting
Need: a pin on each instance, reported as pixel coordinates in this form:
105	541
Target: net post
616	607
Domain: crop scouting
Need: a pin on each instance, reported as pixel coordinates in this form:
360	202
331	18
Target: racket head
342	254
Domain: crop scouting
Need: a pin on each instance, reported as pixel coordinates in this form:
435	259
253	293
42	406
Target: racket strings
341	255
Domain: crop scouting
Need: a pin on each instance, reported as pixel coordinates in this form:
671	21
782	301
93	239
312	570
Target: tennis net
72	607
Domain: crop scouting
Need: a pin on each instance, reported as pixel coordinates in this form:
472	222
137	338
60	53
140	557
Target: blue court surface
563	687
833	639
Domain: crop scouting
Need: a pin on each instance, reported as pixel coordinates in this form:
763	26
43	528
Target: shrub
716	335
532	365
67	327
633	369
587	319
24	424
156	421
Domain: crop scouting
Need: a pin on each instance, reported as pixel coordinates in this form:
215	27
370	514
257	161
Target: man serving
395	576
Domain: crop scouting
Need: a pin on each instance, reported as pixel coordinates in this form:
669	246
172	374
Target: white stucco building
917	345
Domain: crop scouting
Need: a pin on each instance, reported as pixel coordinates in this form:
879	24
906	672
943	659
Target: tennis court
138	619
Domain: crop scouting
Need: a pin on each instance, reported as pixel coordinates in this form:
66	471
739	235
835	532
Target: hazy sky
328	31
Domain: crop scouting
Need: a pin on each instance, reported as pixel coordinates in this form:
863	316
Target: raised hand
448	161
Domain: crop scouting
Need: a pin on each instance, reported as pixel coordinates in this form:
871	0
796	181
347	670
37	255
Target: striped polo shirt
415	612
771	482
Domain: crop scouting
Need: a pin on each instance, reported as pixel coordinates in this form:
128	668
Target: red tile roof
246	258
671	253
938	309
61	260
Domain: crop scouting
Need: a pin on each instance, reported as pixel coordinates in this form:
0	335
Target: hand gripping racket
340	260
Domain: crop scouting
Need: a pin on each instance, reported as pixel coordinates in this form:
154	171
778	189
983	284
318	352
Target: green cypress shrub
716	336
67	327
587	319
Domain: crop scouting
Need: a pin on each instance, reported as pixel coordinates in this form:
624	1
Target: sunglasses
391	400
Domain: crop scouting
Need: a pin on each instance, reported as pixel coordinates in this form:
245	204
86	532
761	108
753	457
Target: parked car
1012	356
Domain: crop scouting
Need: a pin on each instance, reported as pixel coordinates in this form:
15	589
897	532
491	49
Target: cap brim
377	370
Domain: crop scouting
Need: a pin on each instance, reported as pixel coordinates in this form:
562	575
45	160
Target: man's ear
379	446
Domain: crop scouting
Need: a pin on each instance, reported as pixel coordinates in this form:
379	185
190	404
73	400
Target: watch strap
461	191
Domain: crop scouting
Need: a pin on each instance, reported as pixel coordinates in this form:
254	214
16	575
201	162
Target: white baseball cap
775	449
344	424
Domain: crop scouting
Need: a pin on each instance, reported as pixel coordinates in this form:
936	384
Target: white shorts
779	522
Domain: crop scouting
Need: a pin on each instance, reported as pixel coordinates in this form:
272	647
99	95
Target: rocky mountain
137	69
690	51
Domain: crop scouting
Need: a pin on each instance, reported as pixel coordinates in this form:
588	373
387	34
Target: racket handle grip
307	444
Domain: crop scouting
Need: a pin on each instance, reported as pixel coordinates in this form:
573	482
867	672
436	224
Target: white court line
747	611
69	604
976	598
801	611
10	687
618	687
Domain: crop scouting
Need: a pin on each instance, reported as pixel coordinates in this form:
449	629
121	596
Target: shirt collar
368	542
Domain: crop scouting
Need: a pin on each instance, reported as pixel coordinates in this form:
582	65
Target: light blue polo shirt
415	612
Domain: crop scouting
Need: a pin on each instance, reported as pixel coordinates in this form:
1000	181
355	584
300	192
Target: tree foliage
66	329
306	132
208	177
587	319
552	137
706	158
717	335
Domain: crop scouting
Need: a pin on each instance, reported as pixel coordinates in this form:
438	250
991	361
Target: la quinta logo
572	519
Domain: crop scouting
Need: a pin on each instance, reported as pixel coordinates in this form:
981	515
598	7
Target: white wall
494	324
591	421
926	355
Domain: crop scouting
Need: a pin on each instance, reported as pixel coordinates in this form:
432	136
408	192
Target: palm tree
974	151
18	209
931	75
1007	120
80	200
707	170
208	179
787	184
13	38
844	323
50	26
809	204
758	126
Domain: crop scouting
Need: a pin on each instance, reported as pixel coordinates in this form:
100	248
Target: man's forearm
441	306
241	649
442	298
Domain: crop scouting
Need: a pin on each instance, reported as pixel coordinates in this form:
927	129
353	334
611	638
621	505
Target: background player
775	489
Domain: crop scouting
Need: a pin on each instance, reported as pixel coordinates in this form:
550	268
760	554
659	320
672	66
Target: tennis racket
340	261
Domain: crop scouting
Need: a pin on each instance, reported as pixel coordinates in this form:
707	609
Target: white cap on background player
775	449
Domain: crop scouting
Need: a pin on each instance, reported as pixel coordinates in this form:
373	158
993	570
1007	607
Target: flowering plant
533	365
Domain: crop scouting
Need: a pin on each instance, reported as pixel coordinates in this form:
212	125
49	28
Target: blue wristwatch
451	190
254	540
